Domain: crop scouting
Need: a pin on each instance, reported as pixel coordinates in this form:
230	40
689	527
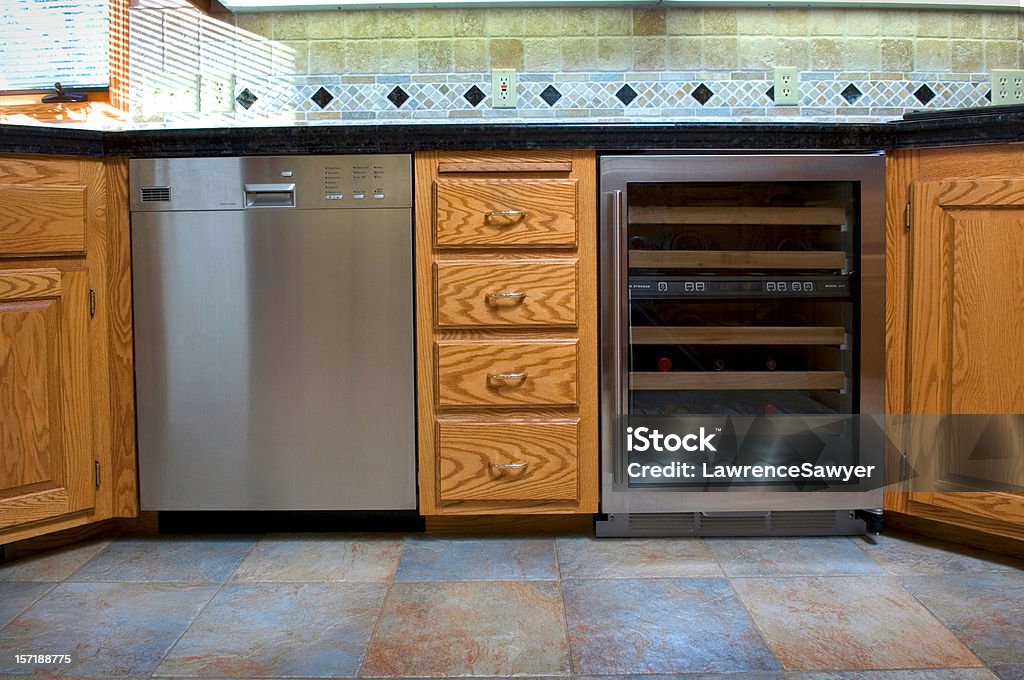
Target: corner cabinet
67	454
506	290
956	256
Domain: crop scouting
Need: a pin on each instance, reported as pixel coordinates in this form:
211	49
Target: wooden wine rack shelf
738	335
737	380
737	259
811	216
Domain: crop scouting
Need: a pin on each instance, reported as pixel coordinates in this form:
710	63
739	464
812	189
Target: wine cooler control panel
673	287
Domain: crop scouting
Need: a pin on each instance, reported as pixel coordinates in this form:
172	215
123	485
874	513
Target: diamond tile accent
924	94
246	98
988	95
322	98
702	93
851	94
398	97
771	93
550	95
474	95
625	94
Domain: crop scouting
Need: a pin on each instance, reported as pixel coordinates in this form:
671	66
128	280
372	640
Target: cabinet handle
491	297
519	216
510	466
506	377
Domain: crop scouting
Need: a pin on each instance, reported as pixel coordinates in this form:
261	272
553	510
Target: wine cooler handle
620	316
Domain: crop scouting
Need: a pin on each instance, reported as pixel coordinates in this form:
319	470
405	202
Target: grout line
380	611
565	613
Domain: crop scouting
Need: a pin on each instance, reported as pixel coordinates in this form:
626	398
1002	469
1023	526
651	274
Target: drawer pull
510	466
492	297
506	377
519	216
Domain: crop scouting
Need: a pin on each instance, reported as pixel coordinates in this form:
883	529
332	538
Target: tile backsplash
582	64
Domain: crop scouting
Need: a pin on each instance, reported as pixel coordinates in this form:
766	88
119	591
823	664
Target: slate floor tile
109	629
167	559
17	597
279	630
848	623
1010	671
481	559
986	611
791	557
470	628
53	565
905	555
661	626
635	558
321	558
923	674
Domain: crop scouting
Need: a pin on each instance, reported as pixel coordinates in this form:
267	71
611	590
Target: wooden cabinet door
966	328
46	469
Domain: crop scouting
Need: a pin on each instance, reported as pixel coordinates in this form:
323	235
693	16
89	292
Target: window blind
47	41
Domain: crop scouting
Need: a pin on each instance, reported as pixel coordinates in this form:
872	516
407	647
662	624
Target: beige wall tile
860	53
362	24
396	23
864	22
362	56
469	22
965	25
967	56
434	23
825	54
326	57
720	53
649	22
898	22
790	21
398	56
471	55
324	25
1002	54
720	22
507	53
825	22
614	21
1000	25
791	52
754	21
289	25
755	52
680	21
932	55
933	24
897	54
542	54
504	22
542	22
579	21
685	53
649	54
579	54
434	56
255	23
615	54
291	57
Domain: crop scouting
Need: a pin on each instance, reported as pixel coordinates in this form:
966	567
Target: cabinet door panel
42	220
45	467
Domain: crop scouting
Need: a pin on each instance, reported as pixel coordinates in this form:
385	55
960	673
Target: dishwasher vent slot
156	194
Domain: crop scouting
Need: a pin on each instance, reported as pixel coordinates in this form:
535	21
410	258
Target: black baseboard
266	521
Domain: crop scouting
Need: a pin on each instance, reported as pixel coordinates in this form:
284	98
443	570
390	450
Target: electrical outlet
786	86
170	93
1007	87
216	93
503	88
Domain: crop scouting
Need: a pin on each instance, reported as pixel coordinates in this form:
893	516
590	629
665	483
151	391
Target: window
47	41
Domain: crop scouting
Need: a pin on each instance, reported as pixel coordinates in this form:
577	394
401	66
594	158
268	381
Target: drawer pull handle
506	377
510	466
519	216
491	297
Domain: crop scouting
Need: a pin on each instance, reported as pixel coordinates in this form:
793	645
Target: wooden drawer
505	293
42	220
505	212
537	373
540	460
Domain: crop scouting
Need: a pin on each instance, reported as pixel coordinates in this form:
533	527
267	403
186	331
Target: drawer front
505	212
506	293
479	373
42	220
508	461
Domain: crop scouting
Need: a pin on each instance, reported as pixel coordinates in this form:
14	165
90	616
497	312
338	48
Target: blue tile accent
485	559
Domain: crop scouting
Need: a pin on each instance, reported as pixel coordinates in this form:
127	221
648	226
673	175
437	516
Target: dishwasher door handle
269	195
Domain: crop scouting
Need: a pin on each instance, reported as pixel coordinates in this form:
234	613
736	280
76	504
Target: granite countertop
989	125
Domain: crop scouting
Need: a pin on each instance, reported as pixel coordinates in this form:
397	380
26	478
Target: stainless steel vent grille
802	520
661	523
156	194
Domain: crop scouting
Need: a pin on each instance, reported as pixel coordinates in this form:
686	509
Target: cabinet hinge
96	465
907	216
92	303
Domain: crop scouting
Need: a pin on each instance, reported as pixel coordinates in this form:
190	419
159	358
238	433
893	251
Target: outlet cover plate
787	86
1007	86
170	93
503	88
216	93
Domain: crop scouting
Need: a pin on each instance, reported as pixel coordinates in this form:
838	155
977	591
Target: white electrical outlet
1007	86
787	86
216	93
503	88
170	93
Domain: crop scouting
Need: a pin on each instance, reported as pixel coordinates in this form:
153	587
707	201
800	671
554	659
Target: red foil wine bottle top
770	409
664	364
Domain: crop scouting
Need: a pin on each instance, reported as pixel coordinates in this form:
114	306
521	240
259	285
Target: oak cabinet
956	266
67	441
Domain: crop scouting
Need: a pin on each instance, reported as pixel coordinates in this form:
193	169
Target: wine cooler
742	292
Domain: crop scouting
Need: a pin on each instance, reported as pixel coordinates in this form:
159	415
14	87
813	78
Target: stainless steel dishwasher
274	332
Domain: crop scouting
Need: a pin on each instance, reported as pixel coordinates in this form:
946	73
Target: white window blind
47	41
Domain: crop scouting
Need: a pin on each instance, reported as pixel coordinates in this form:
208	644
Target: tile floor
308	605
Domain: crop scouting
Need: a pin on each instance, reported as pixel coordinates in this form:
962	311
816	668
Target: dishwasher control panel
272	182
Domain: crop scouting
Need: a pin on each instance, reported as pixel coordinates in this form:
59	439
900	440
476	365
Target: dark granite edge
51	140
